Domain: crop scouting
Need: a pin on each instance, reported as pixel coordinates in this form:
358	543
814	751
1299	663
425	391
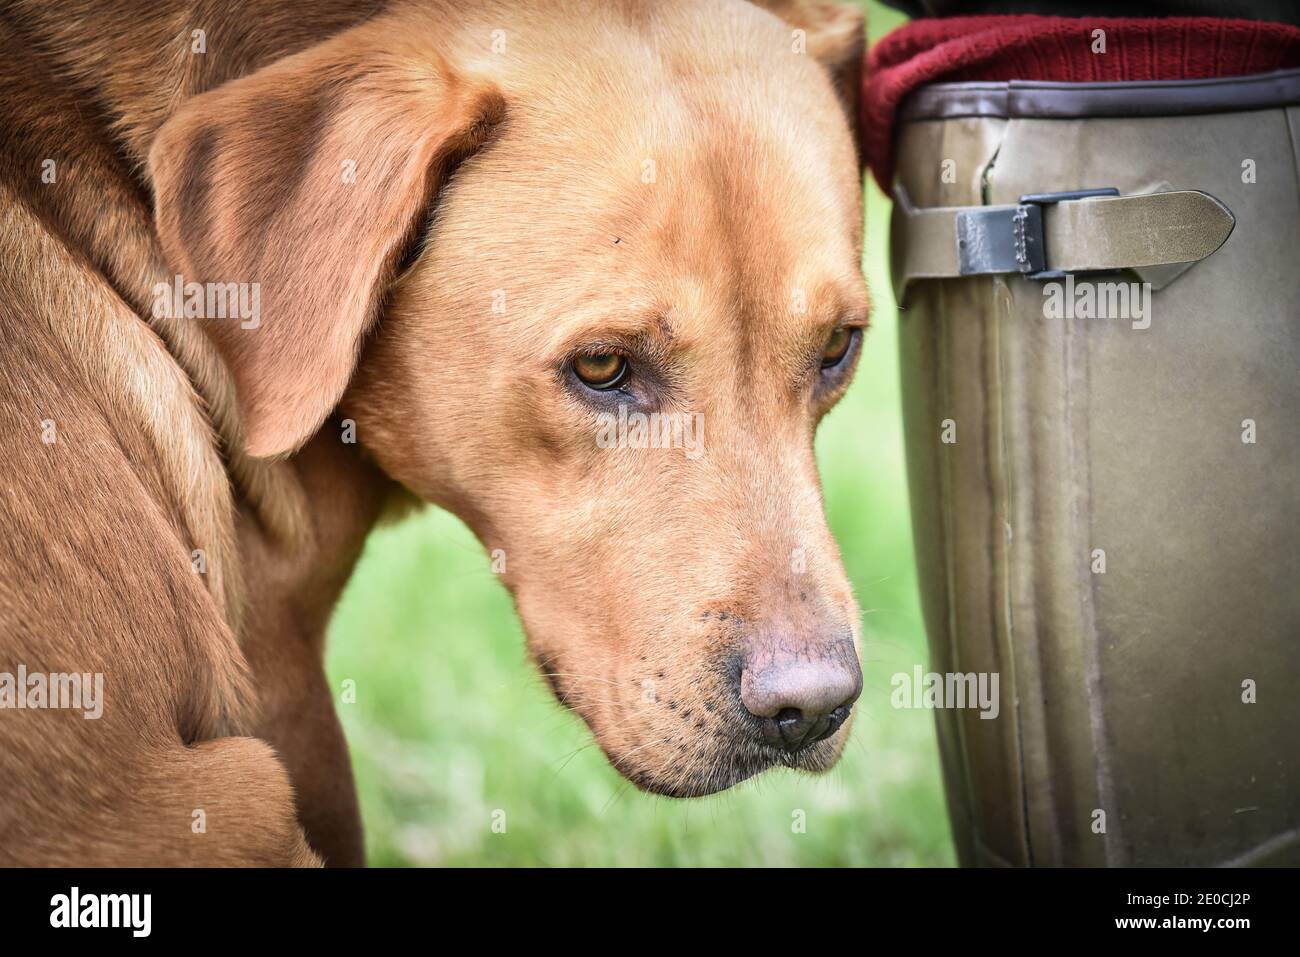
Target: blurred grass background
451	723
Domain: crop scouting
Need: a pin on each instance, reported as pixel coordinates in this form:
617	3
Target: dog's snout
800	700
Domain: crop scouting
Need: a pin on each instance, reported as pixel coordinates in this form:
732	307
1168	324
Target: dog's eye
603	371
837	346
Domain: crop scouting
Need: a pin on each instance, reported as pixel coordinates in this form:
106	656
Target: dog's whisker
565	674
618	793
649	744
573	754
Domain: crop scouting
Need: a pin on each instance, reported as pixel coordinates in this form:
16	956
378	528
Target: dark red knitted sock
999	48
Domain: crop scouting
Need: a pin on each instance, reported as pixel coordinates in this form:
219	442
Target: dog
457	241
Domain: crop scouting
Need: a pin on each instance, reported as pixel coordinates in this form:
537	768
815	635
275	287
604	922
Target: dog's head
590	282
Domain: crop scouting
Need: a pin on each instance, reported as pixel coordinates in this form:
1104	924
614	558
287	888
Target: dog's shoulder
118	519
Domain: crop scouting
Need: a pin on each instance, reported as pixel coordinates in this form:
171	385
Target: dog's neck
291	591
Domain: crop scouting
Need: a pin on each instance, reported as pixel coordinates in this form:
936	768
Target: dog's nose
801	700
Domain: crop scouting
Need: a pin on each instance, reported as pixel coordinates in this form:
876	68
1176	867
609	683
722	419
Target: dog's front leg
298	719
291	594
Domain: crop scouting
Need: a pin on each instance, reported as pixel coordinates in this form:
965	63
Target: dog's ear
311	178
835	36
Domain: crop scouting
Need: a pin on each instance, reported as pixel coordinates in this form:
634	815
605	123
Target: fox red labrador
585	274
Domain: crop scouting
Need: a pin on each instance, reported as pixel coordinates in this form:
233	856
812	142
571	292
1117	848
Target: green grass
451	724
